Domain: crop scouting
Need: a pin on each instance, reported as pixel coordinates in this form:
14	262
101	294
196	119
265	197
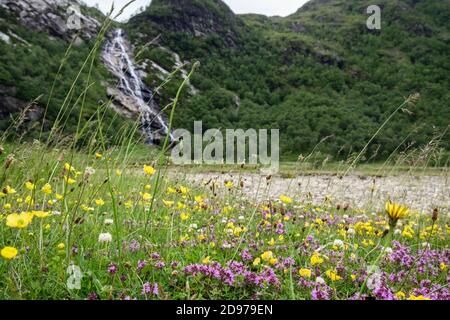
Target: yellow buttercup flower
19	221
408	232
30	185
146	196
47	189
128	204
395	212
41	214
206	260
184	216
305	273
316	259
171	190
99	202
61	246
285	199
400	295
118	172
168	203
10	190
149	170
266	256
68	167
256	262
201	237
421	297
69	180
9	253
229	184
184	190
98	155
29	200
332	274
198	199
86	208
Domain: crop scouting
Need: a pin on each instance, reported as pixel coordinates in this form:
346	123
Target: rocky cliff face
60	18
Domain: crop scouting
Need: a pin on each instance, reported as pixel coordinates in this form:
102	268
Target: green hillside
317	74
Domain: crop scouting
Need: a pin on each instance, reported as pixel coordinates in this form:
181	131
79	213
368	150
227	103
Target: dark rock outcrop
197	18
57	17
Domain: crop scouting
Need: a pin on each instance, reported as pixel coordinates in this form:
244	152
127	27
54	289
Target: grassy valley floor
106	226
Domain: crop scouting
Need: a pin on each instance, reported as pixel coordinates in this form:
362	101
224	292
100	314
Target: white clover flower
105	237
302	217
226	246
372	269
397	232
345	216
338	243
351	232
193	226
241	218
224	220
88	172
320	280
56	213
388	250
109	222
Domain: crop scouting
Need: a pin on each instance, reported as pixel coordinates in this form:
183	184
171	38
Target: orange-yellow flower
396	211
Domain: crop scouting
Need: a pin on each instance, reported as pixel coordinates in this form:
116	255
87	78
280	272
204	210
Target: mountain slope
317	74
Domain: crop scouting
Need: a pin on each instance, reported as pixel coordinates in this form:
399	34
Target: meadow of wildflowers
131	233
84	217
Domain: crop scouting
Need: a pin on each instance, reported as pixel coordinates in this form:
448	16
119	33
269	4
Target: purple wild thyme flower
155	256
148	288
141	265
92	296
112	268
246	256
134	246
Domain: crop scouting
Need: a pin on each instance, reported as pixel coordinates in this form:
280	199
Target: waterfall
119	62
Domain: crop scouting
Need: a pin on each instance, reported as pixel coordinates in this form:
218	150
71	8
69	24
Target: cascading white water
119	62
